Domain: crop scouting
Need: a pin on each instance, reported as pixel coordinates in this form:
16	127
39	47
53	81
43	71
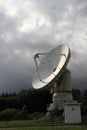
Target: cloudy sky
28	26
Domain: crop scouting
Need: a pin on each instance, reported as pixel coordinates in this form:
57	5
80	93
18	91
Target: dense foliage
28	104
34	100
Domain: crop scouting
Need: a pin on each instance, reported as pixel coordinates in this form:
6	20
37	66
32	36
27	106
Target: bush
8	114
22	114
37	115
84	110
14	114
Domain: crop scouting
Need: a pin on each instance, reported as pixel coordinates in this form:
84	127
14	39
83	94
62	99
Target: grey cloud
53	10
66	23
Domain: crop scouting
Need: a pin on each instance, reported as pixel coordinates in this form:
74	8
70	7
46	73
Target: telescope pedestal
63	99
62	90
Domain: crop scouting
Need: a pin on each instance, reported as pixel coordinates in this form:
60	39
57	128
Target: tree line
31	102
34	100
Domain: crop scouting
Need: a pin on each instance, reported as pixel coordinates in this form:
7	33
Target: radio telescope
52	67
54	64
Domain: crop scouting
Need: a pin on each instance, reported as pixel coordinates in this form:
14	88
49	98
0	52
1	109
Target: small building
72	112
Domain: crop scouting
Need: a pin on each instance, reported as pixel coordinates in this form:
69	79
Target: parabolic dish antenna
53	65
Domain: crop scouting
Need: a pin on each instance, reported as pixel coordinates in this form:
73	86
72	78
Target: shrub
14	114
8	114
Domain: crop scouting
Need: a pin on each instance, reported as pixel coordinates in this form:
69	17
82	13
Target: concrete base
72	113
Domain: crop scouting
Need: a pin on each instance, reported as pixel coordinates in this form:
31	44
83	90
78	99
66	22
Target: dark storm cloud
38	26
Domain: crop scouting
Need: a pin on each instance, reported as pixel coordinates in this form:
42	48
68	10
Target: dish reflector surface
51	66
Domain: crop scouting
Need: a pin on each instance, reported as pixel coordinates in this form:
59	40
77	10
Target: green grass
37	125
27	123
49	128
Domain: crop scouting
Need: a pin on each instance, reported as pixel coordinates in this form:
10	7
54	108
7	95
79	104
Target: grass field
27	123
37	125
49	128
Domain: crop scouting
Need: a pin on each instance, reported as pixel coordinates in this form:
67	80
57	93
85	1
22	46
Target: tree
84	97
76	94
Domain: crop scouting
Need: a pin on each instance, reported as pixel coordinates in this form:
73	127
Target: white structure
72	113
53	67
